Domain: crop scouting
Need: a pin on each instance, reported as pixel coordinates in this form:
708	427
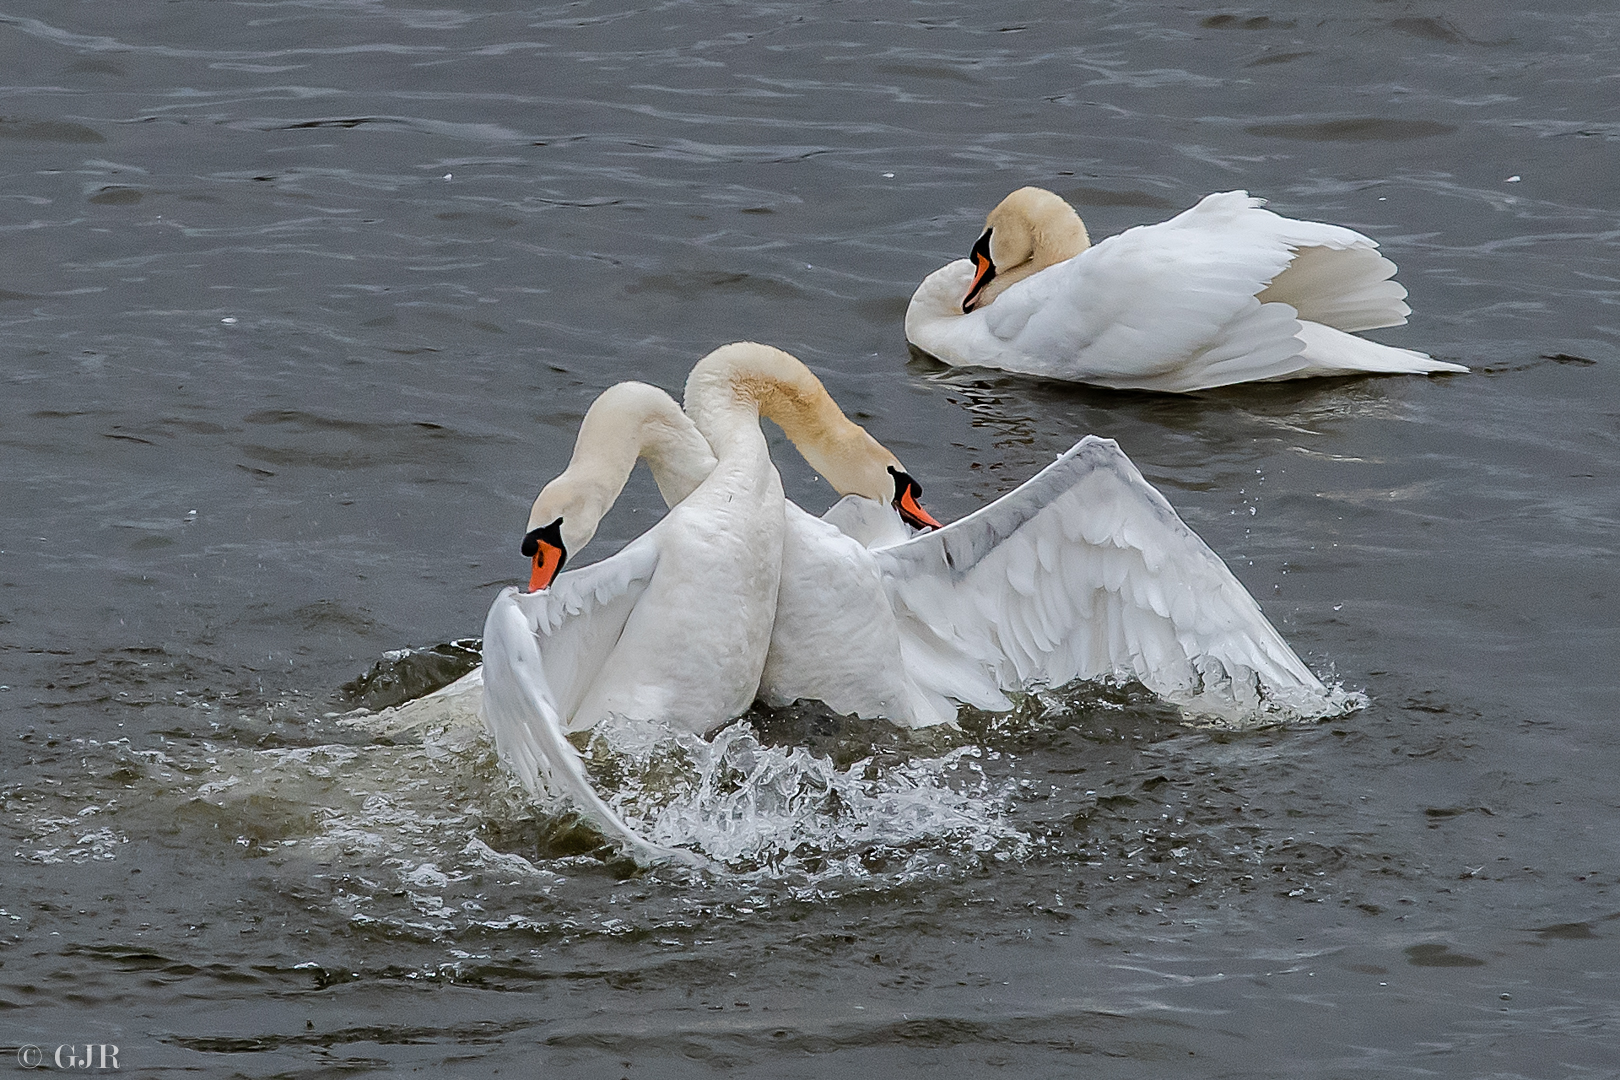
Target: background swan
1223	293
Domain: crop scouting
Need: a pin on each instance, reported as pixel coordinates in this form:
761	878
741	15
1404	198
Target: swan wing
1326	273
836	638
1086	571
541	651
1170	306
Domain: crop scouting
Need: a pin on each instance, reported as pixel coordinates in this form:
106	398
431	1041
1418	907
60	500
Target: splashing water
410	822
407	822
786	810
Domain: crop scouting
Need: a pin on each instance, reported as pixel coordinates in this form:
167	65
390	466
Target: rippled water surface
302	301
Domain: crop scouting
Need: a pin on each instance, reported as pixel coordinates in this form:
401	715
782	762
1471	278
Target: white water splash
749	806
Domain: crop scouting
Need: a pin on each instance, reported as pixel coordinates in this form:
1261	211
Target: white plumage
681	625
1082	572
1223	293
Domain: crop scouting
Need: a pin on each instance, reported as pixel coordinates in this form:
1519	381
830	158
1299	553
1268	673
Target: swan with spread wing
1223	293
1082	572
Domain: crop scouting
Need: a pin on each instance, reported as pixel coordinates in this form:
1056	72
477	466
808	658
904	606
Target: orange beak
548	559
545	548
906	491
913	513
984	268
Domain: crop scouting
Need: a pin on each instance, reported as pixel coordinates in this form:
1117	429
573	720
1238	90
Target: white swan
1084	571
1222	293
676	627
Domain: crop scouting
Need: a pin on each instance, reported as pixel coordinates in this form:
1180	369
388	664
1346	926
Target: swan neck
679	457
633	421
727	390
736	385
629	421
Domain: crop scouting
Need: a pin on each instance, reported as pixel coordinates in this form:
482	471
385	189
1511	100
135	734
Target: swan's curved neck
627	422
726	389
736	384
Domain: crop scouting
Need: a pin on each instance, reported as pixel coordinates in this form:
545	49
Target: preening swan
1223	293
1084	571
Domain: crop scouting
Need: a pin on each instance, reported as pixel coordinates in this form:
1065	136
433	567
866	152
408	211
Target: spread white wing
1086	571
541	652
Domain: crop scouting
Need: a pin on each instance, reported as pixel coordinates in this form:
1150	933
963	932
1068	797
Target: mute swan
677	626
1222	293
1082	572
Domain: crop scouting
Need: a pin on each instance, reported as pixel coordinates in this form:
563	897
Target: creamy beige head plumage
1028	231
628	421
780	388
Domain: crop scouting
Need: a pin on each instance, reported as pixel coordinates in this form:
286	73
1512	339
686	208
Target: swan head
855	463
563	520
1028	231
627	422
907	492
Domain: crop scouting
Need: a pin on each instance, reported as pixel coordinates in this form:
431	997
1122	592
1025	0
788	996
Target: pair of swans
1083	571
1223	293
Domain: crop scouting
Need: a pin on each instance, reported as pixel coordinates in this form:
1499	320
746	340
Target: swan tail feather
1333	352
1350	288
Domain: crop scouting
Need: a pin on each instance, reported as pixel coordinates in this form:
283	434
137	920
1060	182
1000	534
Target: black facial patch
551	534
984	269
903	483
981	247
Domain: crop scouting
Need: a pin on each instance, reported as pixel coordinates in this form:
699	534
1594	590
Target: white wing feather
541	651
1086	571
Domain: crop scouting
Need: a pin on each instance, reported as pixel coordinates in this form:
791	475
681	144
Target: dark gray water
303	300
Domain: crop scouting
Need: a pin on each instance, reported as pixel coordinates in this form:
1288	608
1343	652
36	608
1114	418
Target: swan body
1223	293
680	626
635	636
1084	571
718	549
